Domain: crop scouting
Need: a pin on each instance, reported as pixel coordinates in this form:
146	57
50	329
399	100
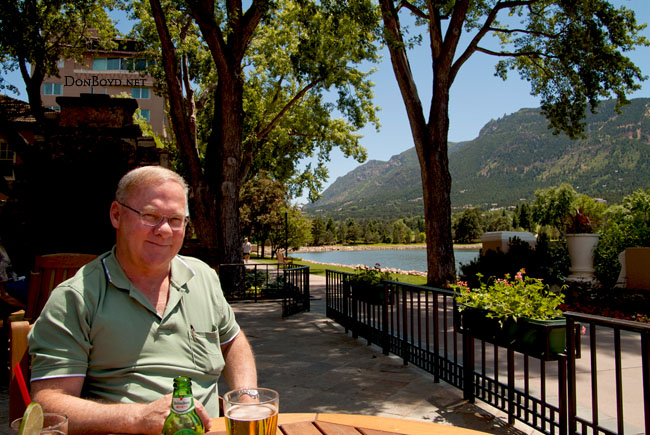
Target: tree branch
531	54
271	125
487	25
411	7
524	31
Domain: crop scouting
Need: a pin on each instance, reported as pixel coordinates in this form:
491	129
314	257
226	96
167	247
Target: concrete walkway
317	367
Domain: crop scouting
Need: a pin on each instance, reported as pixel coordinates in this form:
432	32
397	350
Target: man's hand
85	416
156	413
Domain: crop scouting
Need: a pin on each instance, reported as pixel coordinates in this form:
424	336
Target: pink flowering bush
519	297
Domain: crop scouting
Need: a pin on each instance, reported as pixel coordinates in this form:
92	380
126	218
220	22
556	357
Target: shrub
548	261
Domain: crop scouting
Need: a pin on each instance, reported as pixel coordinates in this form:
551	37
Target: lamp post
286	234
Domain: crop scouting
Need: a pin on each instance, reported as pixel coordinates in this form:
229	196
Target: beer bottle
183	419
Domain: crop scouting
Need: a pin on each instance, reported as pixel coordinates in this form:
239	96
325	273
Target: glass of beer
251	411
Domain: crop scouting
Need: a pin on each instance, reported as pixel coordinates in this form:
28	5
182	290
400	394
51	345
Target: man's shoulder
194	263
91	273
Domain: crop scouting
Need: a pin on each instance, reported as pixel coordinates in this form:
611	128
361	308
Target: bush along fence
554	390
267	281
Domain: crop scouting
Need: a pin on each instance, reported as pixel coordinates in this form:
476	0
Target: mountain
511	158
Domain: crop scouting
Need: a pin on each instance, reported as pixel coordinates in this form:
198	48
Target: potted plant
581	242
366	284
520	313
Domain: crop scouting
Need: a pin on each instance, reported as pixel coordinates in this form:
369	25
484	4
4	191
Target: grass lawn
319	269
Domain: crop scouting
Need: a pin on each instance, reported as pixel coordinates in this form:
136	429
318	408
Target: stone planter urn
581	252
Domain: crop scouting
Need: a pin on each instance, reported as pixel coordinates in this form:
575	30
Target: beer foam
251	412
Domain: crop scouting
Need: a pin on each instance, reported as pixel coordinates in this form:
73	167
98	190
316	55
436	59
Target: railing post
385	339
570	377
468	367
405	344
562	391
511	385
645	366
306	294
346	305
355	314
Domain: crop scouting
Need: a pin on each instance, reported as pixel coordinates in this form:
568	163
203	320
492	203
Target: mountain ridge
511	158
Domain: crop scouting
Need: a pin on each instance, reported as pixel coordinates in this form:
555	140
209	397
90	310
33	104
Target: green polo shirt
98	325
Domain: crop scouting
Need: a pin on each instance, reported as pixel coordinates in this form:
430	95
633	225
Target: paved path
317	367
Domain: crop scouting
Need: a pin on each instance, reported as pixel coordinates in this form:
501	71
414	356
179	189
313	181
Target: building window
108	64
142	93
52	89
61	63
99	63
7	160
121	63
146	114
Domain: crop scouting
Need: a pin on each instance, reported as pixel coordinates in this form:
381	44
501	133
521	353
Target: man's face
143	247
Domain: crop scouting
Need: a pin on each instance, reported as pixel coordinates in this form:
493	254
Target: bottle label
182	405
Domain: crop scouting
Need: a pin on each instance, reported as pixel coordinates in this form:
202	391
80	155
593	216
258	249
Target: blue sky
476	98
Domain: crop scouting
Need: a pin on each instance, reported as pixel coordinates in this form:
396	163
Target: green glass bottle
183	419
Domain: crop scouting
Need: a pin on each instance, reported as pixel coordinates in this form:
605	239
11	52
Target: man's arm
85	416
240	370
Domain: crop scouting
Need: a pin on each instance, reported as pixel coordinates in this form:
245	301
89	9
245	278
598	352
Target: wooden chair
50	271
282	259
18	353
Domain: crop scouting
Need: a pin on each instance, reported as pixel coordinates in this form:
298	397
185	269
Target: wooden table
344	424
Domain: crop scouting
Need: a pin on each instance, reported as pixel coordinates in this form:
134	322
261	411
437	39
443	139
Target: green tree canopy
266	94
35	35
571	53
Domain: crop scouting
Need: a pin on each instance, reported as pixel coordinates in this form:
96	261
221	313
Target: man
110	340
247	250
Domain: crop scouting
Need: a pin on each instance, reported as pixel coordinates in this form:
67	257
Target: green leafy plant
365	276
519	297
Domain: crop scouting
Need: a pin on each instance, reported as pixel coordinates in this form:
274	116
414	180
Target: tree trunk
202	201
436	187
223	161
33	87
431	145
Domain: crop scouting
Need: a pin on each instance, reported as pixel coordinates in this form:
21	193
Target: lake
404	259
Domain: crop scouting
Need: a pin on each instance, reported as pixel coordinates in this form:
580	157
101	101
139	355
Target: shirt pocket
206	352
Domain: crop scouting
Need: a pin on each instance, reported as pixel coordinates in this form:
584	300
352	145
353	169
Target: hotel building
113	72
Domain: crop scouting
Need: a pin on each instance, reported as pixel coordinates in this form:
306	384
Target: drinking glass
53	424
251	411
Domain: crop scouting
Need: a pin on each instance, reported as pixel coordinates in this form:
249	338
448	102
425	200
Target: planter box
542	339
371	294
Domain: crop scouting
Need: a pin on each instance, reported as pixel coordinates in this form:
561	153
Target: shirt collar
181	272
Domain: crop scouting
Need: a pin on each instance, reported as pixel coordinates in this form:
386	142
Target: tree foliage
35	35
265	95
571	52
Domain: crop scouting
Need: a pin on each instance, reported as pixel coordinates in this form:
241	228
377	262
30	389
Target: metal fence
267	281
417	324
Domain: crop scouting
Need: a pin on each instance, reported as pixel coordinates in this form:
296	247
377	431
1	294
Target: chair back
18	354
282	259
50	271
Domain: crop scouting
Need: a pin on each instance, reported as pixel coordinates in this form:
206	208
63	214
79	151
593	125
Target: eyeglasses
154	219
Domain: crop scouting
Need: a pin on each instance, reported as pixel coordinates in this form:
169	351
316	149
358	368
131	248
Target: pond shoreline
329	248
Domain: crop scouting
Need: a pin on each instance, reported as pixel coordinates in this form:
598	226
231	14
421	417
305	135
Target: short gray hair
146	175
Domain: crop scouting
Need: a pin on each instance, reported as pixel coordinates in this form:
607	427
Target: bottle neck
182	399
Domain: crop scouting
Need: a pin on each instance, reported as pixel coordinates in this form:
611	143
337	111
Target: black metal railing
619	404
417	324
254	281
